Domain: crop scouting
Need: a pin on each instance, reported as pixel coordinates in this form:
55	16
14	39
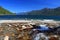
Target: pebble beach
29	30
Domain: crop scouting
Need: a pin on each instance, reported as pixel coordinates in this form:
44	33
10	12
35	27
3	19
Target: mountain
4	11
45	11
21	13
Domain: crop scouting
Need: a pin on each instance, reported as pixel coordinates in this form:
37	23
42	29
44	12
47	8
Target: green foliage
4	11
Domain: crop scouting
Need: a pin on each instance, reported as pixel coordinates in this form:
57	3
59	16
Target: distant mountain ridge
45	11
4	11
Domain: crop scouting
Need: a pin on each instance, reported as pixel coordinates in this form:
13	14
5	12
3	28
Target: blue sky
17	6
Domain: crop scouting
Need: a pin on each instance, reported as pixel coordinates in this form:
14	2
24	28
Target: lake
16	17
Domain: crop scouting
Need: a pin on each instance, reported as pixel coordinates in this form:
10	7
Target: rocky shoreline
24	29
